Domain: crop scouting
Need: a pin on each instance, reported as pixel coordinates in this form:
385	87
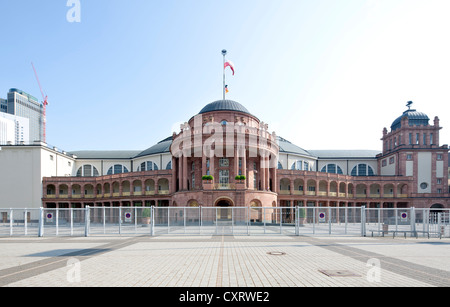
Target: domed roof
224	105
415	119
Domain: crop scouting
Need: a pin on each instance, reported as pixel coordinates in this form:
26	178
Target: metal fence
152	221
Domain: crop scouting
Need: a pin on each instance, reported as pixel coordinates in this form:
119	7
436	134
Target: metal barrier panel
19	222
322	220
134	220
177	220
411	222
99	220
421	222
273	220
120	220
287	221
445	224
224	220
208	221
240	216
161	220
329	220
384	221
63	222
439	223
258	217
259	220
192	220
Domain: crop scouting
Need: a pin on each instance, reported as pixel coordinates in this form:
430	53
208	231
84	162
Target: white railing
354	221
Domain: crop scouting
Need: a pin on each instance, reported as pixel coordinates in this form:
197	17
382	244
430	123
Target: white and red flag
229	64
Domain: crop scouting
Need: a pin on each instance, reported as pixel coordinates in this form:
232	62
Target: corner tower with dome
412	149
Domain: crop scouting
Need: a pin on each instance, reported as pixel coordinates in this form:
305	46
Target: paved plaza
224	261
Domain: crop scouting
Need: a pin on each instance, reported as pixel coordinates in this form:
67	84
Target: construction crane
44	103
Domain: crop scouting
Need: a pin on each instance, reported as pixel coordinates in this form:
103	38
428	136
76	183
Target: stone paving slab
223	261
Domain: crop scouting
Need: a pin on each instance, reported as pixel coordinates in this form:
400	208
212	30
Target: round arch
225	211
255	203
223	201
255	211
436	207
193	203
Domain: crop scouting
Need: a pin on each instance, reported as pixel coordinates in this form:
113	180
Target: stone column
244	166
174	176
274	180
236	161
212	168
262	173
180	173
185	167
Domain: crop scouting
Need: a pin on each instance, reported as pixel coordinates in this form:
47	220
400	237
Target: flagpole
224	53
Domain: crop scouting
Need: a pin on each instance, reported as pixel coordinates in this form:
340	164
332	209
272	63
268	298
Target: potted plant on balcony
207	182
207	178
240	181
240	178
146	214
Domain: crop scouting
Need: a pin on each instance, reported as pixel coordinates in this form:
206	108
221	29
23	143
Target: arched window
332	168
362	170
297	165
300	165
147	166
117	169
280	166
87	171
169	165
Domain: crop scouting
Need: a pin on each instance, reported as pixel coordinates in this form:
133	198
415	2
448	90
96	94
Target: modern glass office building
22	104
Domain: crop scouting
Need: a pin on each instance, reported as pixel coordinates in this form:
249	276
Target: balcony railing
224	186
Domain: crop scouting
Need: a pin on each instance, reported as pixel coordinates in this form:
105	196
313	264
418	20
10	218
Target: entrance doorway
224	210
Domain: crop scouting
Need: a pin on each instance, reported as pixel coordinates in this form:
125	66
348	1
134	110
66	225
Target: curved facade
225	156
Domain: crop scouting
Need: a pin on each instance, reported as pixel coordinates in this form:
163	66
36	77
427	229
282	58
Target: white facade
22	169
6	131
14	130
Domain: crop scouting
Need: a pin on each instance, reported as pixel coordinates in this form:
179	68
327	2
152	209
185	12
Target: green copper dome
414	118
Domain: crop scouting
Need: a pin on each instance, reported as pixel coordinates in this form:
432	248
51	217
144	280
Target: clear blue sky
324	74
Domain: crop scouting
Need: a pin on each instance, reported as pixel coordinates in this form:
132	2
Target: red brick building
251	166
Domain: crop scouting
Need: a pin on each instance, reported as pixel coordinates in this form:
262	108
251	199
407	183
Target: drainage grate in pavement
339	273
276	253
